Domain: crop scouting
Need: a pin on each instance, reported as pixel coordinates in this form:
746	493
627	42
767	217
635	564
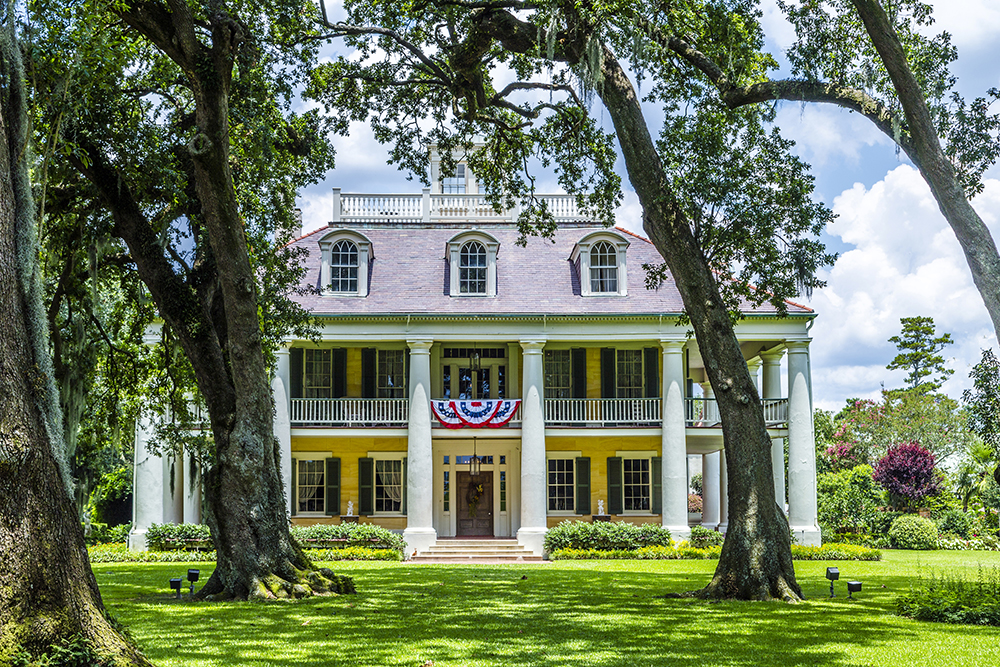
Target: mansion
464	385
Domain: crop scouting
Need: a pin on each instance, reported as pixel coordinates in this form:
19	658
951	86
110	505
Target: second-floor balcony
559	412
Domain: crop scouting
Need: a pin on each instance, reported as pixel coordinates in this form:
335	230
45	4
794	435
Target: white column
192	489
723	493
710	491
282	421
531	534
173	488
674	442
801	448
772	389
147	494
711	408
419	533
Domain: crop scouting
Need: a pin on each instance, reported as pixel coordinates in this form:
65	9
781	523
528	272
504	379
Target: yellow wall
593	372
599	449
349	450
353	372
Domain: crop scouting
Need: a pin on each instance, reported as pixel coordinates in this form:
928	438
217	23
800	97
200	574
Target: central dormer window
472	268
454	184
344	267
603	268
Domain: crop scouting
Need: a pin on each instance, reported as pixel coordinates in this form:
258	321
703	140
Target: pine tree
918	353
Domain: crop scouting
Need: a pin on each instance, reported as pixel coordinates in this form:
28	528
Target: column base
418	539
532	539
709	526
678	533
137	540
722	528
807	535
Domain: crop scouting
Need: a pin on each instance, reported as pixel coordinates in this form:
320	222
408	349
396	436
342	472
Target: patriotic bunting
475	414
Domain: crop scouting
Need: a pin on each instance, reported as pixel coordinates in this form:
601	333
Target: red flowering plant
843	456
907	473
694	503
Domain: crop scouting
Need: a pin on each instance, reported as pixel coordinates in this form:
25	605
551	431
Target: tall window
455	184
391	374
311	486
558	374
344	267
635	484
629	374
561	485
472	268
318	375
388	485
603	268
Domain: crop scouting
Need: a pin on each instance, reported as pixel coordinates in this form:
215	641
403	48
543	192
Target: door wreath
472	496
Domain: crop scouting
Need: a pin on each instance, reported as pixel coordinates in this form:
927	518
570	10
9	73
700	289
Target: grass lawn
586	613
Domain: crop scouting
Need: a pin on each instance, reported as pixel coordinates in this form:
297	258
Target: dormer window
472	269
344	258
600	259
603	268
472	261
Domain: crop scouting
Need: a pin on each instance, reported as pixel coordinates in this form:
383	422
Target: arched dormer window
472	268
472	258
344	259
603	268
600	259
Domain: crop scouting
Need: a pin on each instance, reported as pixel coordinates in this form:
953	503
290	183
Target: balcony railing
350	411
704	412
402	208
602	412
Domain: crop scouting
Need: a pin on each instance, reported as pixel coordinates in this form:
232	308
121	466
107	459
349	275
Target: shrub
687	552
101	534
835	552
187	536
848	499
980	543
178	536
111	498
119	553
697	482
702	538
69	652
843	456
913	532
605	536
956	522
953	600
907	473
694	503
859	539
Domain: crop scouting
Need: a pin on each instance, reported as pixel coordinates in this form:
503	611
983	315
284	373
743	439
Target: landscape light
853	587
176	585
832	574
192	577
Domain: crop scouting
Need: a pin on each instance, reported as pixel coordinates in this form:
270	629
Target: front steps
477	550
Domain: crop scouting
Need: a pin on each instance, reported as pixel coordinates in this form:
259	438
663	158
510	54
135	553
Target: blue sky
898	256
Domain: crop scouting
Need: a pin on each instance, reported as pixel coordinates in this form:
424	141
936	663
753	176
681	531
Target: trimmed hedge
686	552
119	553
835	552
913	532
605	536
702	538
194	537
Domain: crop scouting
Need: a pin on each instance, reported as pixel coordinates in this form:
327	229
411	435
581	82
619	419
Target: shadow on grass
591	614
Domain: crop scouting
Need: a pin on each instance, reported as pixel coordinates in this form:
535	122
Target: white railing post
425	199
336	206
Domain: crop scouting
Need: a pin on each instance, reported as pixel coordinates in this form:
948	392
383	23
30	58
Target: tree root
271	586
728	588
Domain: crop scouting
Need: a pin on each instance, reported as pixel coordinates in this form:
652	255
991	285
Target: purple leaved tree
907	473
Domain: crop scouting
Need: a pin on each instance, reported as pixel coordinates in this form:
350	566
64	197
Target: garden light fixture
192	577
853	587
175	584
832	574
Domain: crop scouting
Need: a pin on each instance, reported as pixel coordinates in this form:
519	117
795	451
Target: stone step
489	557
449	550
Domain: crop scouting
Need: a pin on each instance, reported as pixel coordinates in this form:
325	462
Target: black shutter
333	487
656	486
583	485
614	485
368	372
578	368
651	364
608	384
295	480
339	373
366	486
295	372
402	509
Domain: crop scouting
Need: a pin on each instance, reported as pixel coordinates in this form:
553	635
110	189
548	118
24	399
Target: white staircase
458	550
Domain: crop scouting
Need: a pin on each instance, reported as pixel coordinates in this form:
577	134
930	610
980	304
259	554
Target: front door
475	503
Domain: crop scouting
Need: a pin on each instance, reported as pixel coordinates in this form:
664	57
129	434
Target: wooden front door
475	504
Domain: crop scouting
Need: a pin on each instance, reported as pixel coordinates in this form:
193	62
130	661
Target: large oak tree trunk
48	593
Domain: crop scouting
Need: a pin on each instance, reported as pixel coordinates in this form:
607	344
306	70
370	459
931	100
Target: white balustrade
603	411
350	411
365	208
371	208
704	412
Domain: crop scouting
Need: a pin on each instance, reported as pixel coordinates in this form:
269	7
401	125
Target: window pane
318	375
391	374
635	484
344	267
558	374
629	373
603	268
388	486
311	486
472	268
561	486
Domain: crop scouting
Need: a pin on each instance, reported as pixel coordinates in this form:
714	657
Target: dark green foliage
983	400
696	483
187	536
111	492
918	353
913	532
799	552
849	500
947	599
100	533
702	538
119	553
75	651
605	536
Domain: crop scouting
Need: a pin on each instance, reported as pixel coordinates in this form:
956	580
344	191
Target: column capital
420	345
672	345
797	346
532	345
771	358
753	364
283	351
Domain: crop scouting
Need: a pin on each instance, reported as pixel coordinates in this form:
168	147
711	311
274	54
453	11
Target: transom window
636	485
629	374
311	486
455	184
558	374
562	487
388	485
391	374
603	268
344	267
472	268
318	375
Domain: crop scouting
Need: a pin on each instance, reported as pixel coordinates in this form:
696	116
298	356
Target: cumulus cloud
905	261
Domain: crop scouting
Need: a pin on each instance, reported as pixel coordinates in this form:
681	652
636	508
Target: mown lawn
580	613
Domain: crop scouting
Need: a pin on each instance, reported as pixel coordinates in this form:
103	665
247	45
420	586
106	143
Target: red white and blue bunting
475	414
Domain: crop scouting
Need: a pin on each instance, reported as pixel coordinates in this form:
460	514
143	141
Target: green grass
579	613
